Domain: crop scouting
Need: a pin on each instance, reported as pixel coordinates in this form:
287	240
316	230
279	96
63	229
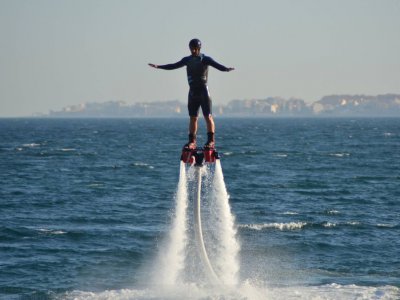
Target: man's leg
206	106
193	108
193	125
210	131
192	132
210	123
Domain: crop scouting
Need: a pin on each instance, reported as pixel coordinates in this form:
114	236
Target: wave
142	165
332	212
242	153
387	134
339	154
30	145
246	290
227	153
51	231
16	233
280	226
96	185
302	225
290	213
387	225
280	155
67	149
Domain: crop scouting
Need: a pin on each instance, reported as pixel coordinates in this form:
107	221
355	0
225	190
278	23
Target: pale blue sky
55	53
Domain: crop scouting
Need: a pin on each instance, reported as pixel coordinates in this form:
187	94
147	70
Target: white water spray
173	259
215	253
213	278
227	261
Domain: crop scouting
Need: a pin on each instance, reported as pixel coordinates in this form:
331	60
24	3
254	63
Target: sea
296	208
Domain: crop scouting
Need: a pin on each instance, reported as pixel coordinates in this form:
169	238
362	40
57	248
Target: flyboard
197	157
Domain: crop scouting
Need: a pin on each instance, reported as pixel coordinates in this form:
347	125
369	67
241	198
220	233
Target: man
197	74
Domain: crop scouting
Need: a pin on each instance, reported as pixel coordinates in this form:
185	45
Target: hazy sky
55	53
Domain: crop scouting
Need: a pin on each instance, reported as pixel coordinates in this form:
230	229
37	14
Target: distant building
120	109
358	105
333	105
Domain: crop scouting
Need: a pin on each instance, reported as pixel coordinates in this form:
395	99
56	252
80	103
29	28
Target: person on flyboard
197	74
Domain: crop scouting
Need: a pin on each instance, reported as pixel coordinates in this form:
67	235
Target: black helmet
194	43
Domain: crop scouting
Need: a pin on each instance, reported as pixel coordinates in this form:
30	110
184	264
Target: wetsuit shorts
199	97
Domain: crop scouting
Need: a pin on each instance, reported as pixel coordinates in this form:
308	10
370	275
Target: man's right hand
154	66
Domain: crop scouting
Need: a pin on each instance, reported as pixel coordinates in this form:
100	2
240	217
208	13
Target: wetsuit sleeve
174	66
209	61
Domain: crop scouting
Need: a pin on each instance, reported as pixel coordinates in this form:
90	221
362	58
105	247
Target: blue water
84	204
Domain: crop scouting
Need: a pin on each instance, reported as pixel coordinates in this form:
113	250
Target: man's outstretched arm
218	66
174	66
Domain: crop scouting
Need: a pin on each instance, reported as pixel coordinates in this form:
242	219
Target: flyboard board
198	157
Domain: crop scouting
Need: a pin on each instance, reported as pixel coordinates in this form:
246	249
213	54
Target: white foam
180	262
388	134
280	226
67	149
50	231
142	164
385	225
329	224
353	223
227	260
340	154
333	212
246	290
31	145
94	185
290	213
172	258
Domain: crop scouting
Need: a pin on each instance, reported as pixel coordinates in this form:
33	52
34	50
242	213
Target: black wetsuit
197	75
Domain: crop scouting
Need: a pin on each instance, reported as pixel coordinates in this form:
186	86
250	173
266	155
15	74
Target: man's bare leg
192	132
210	123
193	125
210	131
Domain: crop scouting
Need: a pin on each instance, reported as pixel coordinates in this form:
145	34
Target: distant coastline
387	105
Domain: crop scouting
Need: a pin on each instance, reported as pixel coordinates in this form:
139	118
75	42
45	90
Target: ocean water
102	209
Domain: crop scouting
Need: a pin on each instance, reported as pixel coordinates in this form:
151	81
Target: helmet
194	43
